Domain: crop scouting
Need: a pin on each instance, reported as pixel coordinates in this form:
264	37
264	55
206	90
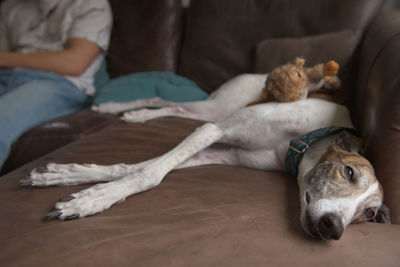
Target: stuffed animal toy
293	82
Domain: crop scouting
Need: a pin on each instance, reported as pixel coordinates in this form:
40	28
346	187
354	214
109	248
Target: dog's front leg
101	196
72	174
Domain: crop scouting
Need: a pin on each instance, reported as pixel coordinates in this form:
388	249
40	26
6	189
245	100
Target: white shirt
45	25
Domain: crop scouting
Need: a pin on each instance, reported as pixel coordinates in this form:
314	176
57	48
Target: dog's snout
330	226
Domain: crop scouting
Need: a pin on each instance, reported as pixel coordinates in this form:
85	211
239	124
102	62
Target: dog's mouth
310	226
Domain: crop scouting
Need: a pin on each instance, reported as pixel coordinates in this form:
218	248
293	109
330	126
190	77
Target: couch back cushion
146	36
221	36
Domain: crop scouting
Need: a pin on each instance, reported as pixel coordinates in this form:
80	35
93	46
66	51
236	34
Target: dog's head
341	189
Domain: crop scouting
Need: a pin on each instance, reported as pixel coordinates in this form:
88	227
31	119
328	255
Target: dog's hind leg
156	102
115	107
144	115
136	111
101	196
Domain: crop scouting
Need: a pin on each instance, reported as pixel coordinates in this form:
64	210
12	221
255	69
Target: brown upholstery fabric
381	35
221	35
201	216
338	46
378	98
146	36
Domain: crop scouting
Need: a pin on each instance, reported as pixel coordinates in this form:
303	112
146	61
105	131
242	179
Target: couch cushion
316	49
221	36
146	36
200	216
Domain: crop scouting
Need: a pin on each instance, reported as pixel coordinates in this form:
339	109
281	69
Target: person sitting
49	53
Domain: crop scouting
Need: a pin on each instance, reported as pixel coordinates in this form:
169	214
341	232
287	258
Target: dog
337	186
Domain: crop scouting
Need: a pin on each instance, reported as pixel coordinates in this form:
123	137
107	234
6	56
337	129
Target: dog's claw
66	199
42	170
54	214
26	182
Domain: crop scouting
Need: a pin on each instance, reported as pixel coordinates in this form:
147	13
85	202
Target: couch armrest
378	67
54	134
377	113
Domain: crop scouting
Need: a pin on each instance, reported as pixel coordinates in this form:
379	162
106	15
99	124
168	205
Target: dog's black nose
330	226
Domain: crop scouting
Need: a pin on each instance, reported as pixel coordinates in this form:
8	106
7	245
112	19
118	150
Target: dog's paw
86	202
70	174
110	108
100	197
142	115
55	174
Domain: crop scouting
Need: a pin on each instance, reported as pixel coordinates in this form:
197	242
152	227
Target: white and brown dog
337	186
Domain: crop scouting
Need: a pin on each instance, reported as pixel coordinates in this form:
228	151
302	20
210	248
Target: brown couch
212	215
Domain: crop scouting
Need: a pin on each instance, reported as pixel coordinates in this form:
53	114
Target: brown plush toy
293	82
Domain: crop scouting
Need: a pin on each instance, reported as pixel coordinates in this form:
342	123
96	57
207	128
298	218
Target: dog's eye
349	173
298	74
370	213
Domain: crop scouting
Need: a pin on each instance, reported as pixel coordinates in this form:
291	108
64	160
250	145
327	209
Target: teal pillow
143	85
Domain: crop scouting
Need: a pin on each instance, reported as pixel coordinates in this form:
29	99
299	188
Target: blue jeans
29	98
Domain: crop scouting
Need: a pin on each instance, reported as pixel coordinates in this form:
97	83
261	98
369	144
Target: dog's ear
383	215
349	142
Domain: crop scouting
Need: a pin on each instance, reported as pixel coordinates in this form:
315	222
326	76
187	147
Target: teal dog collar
297	147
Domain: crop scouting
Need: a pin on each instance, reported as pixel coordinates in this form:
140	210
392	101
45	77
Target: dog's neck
312	157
